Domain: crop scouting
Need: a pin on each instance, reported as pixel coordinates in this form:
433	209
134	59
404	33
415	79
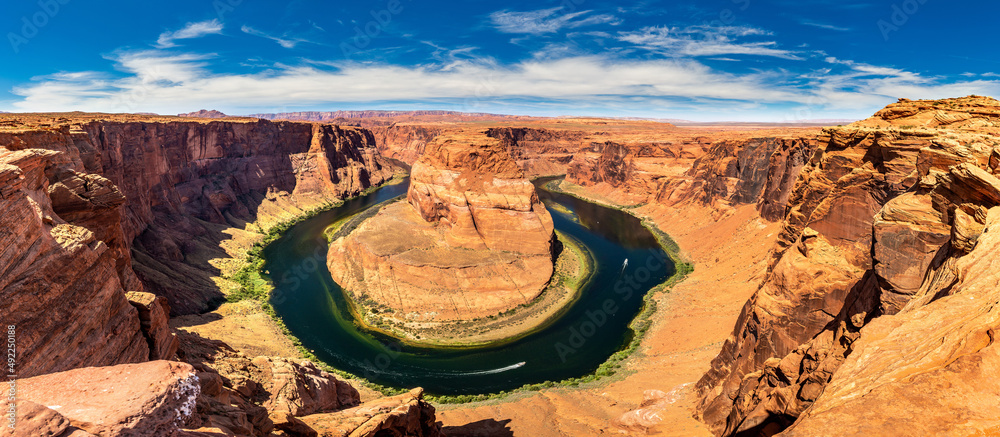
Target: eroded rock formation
405	143
61	287
539	152
264	395
86	203
472	240
168	190
404	415
128	400
878	231
724	173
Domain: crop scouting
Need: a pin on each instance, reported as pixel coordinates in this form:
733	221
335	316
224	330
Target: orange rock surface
472	240
128	400
877	229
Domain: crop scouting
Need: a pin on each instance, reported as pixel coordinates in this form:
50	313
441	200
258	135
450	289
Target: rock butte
472	239
867	256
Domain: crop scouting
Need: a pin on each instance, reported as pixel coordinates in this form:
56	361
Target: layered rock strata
95	207
60	286
883	225
472	240
539	152
264	396
723	174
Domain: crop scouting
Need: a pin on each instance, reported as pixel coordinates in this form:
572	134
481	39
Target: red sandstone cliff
59	285
759	171
87	206
405	143
183	182
476	190
876	298
884	221
539	152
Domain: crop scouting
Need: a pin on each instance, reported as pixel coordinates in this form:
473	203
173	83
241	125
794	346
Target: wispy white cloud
825	26
864	87
189	31
172	83
284	41
561	74
156	81
705	41
316	26
546	20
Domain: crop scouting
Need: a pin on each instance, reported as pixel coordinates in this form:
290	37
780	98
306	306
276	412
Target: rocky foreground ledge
472	241
217	392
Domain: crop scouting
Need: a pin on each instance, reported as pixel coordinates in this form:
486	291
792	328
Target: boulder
153	398
154	319
404	415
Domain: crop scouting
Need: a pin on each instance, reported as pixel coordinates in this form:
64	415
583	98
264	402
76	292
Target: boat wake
500	370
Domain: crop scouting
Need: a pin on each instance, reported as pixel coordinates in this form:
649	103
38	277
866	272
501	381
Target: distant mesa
360	115
204	113
472	239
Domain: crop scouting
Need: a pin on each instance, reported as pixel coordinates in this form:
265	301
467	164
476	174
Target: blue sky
748	60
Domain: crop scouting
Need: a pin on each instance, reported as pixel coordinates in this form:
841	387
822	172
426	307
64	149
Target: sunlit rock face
472	239
876	294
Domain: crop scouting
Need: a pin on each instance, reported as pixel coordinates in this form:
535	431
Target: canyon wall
875	310
880	225
760	171
60	286
88	203
184	183
539	152
95	209
404	142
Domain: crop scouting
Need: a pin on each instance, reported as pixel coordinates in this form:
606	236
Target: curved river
595	327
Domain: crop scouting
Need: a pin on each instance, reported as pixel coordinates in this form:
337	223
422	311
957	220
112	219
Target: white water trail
500	370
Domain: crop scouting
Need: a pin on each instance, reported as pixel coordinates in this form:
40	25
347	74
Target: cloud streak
288	43
705	41
545	21
189	31
825	26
